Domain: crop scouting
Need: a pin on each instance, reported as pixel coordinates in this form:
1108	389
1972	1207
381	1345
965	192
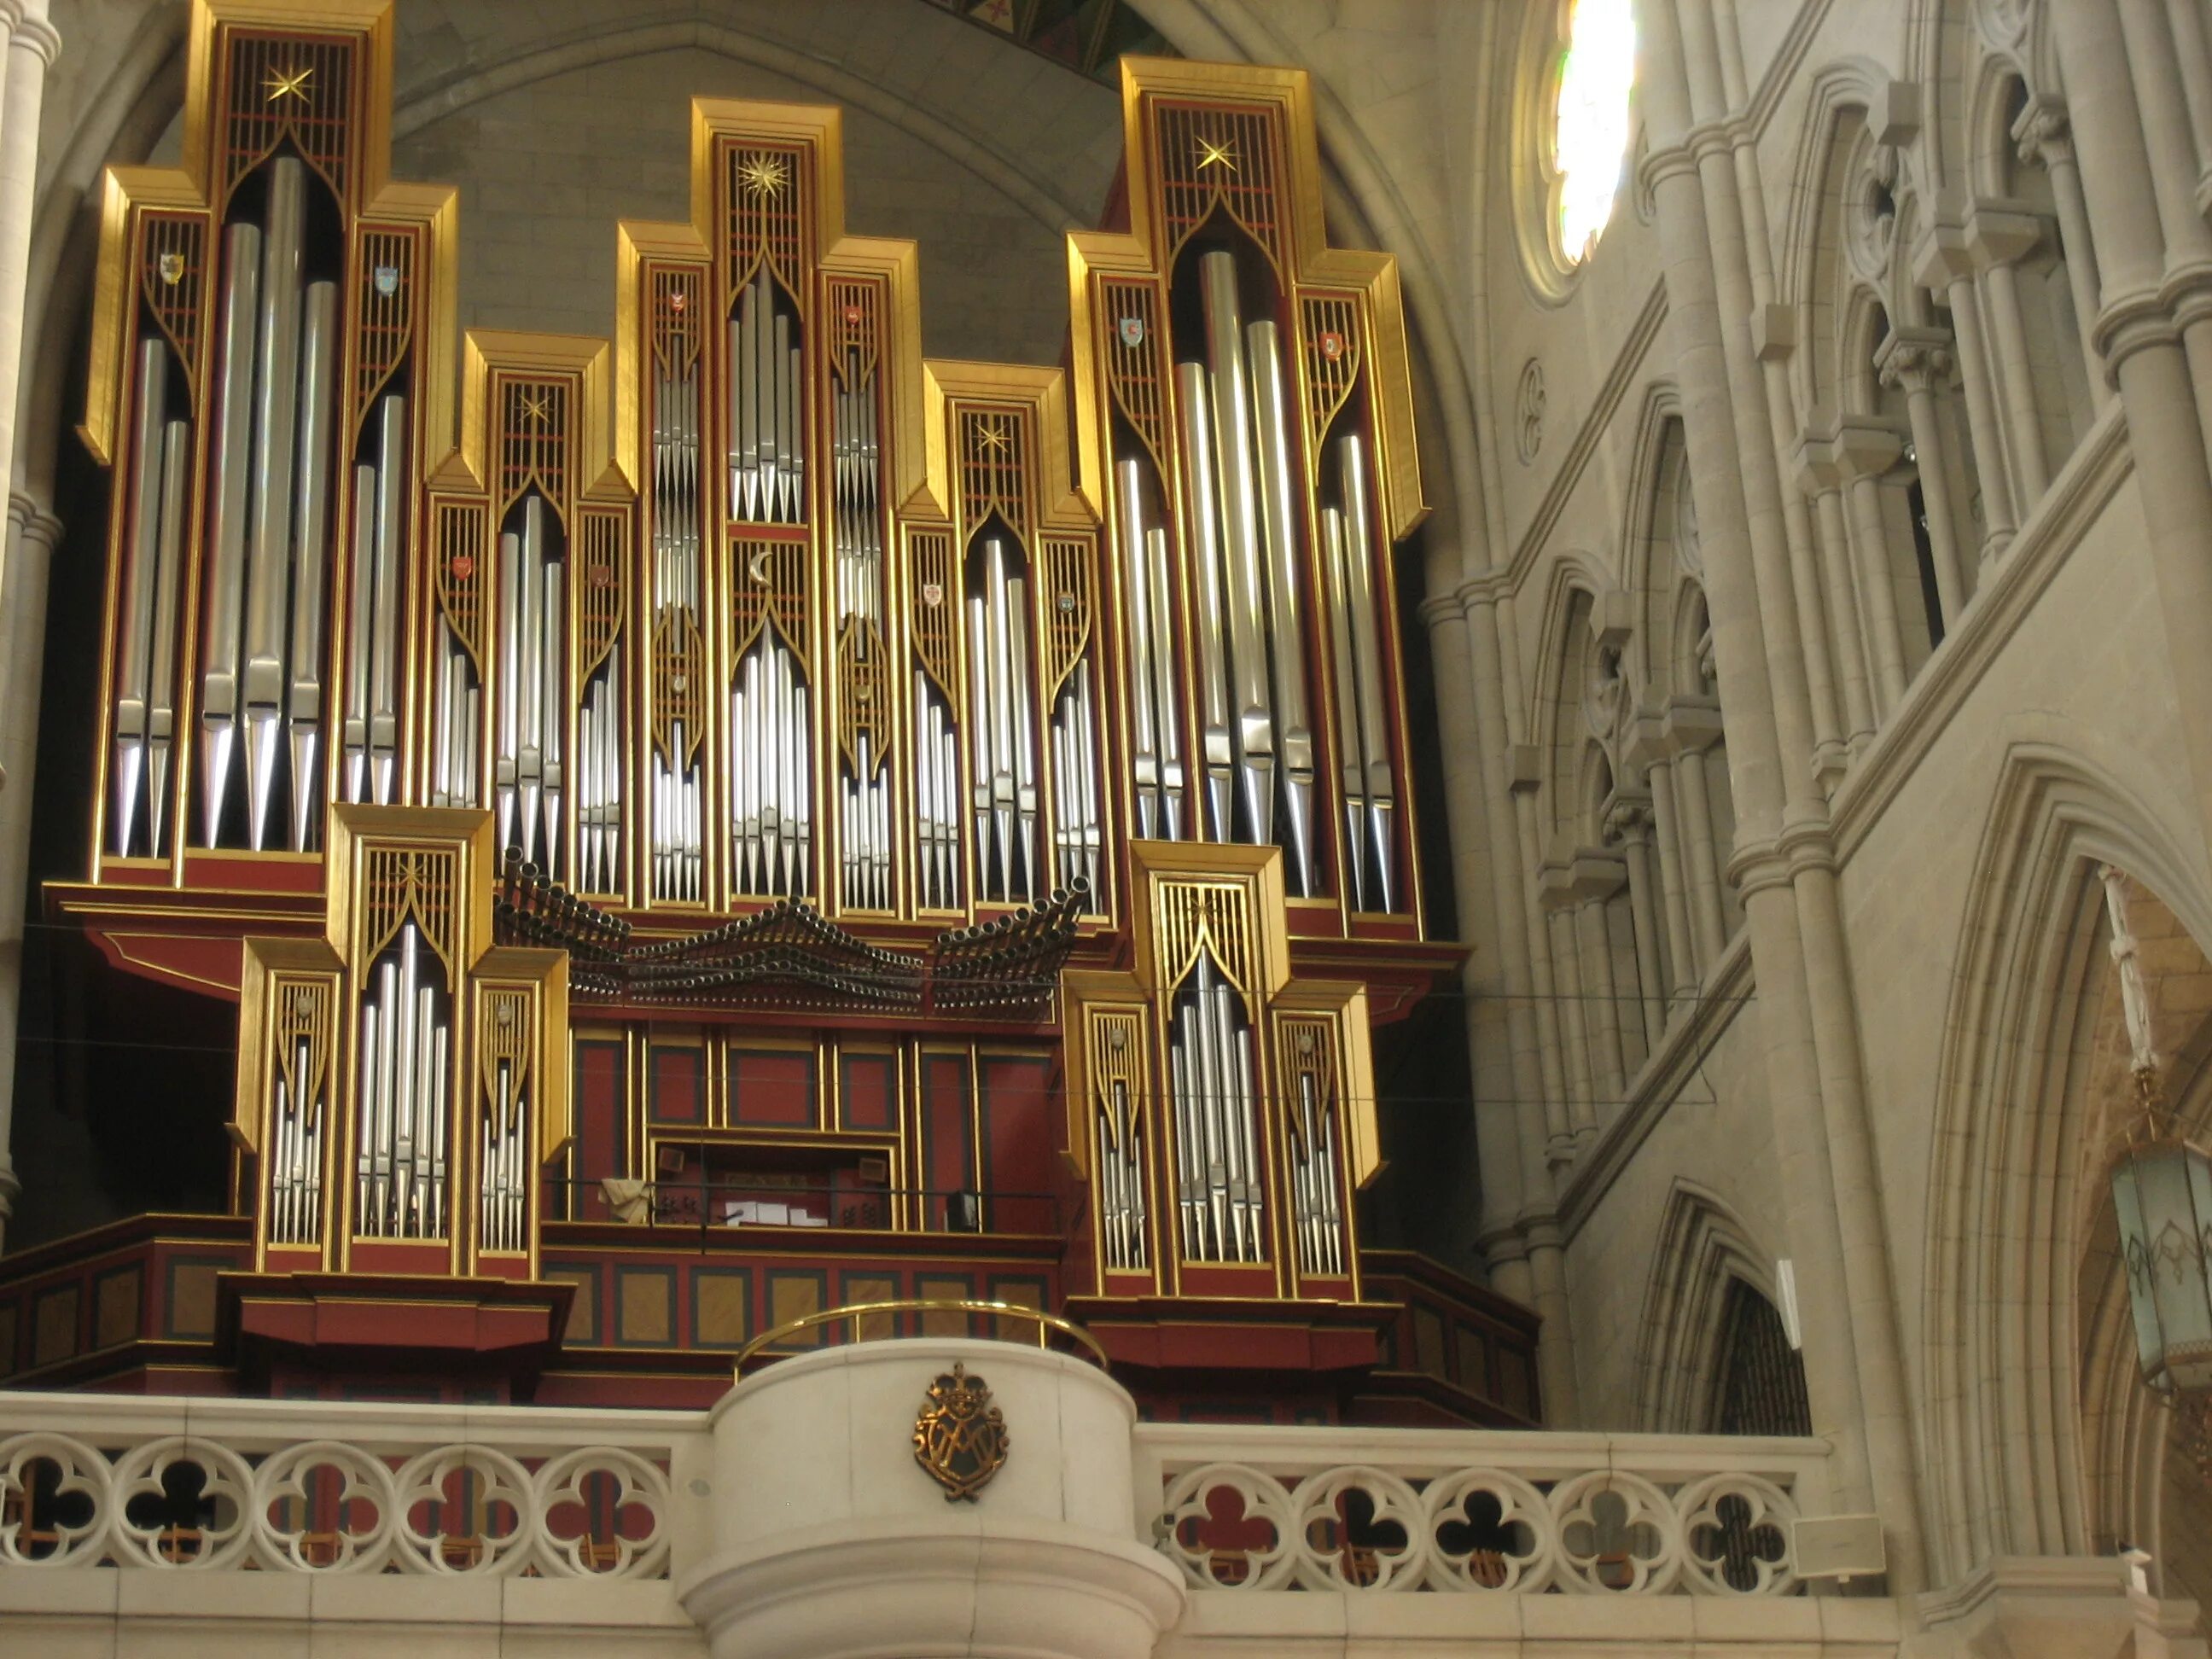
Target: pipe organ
915	790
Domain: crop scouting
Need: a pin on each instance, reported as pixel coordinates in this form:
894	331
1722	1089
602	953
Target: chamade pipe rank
261	684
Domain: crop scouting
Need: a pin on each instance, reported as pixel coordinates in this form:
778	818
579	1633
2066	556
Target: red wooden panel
773	1087
679	1085
1017	1124
871	1092
947	1130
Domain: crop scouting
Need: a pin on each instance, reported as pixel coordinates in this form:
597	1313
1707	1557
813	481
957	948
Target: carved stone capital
1915	358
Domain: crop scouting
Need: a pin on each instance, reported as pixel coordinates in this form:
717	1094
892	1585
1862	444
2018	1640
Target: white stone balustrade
1247	1508
290	1486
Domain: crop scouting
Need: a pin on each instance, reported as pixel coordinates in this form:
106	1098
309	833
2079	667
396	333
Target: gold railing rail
1046	1324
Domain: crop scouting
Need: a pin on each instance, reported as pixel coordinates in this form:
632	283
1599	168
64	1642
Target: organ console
872	822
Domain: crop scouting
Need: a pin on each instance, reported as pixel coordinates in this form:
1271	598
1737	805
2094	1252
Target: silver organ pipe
1279	523
1220	1190
1315	1192
937	796
771	813
503	1179
1075	782
533	645
270	524
161	691
1228	386
1358	619
1122	1183
858	588
766	432
598	777
311	551
1216	737
400	1168
295	1151
371	737
1002	750
277	377
226	585
677	826
1244	535
135	675
1156	739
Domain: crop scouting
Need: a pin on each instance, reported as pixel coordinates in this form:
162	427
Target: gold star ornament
533	405
1216	153
995	436
288	83
762	176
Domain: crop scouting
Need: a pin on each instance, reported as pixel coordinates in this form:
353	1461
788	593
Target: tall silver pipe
979	733
1247	1189
1278	521
527	667
364	1195
360	632
1217	732
1351	760
391	554
998	622
1165	675
1367	654
1136	584
134	667
1020	692
311	553
506	767
1229	387
161	689
226	588
268	551
1188	1172
554	704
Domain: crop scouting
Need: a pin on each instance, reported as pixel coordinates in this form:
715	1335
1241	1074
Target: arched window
1758	1385
1590	121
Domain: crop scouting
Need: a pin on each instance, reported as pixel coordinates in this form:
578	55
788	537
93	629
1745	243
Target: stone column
1943	264
1596	879
1853	1359
32	535
1556	892
1867	451
1820	479
31	45
2135	337
1998	239
1692	728
1536	1103
1550	993
1629	824
2041	133
1916	359
2172	151
1666	833
2192	56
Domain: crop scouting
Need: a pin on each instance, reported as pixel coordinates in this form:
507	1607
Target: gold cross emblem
764	176
288	83
533	405
1216	153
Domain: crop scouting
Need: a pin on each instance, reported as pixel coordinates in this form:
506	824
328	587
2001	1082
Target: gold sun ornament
288	83
762	176
1216	153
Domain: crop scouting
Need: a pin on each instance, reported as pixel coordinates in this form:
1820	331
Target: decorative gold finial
1216	153
764	176
288	83
959	1436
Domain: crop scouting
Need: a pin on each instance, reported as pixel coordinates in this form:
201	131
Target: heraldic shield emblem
959	1436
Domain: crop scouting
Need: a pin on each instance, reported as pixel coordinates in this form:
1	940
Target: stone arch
1701	1246
2001	1430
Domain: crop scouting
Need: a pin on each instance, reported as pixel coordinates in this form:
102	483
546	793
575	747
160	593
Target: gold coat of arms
959	1436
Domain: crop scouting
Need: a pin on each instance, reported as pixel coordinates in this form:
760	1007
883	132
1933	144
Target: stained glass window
1590	132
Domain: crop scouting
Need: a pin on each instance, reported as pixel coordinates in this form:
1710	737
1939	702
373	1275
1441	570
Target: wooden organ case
738	820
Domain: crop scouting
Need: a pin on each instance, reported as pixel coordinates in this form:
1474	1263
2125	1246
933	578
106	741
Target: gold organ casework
921	718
